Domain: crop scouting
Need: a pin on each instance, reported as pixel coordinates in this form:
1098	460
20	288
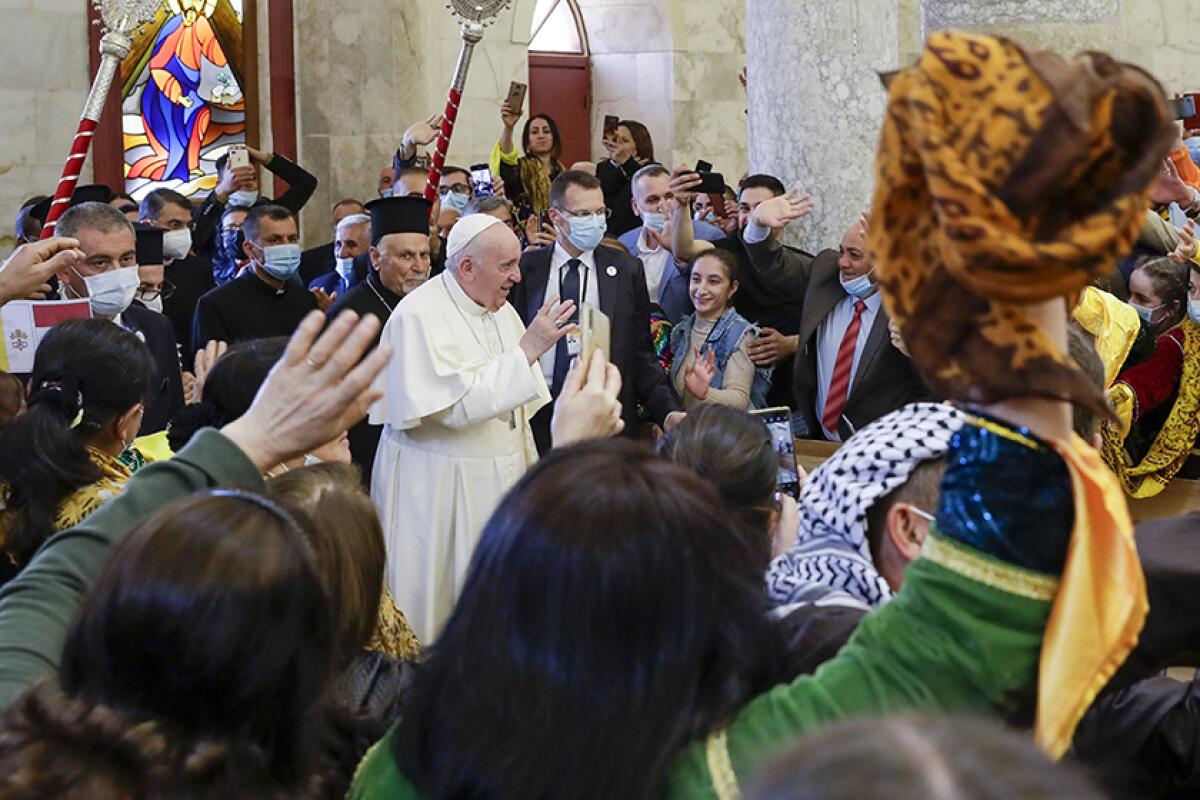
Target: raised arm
316	390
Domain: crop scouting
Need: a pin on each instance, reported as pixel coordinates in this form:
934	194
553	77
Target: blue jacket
724	340
673	296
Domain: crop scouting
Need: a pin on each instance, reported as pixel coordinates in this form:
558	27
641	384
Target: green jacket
963	635
38	607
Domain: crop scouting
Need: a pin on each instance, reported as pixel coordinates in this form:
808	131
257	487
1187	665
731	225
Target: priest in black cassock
399	264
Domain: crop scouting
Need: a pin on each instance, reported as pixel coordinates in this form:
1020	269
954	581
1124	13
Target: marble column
816	102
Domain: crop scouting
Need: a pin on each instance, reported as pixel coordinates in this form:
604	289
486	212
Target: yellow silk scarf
1113	325
1101	602
1005	178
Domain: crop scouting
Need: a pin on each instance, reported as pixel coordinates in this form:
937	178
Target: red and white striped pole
121	18
472	33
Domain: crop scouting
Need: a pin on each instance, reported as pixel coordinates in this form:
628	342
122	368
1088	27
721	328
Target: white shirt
655	263
829	341
589	286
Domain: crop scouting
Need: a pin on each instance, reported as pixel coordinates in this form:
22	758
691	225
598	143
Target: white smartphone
239	157
595	331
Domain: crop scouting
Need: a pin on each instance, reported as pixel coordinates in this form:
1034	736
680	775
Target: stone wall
42	88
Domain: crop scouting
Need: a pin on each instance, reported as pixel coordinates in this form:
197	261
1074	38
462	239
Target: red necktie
839	384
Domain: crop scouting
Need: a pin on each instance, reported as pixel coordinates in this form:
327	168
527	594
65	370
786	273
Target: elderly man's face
489	276
402	260
855	259
387	178
352	240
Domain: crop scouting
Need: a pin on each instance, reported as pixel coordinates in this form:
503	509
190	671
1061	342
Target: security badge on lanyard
574	340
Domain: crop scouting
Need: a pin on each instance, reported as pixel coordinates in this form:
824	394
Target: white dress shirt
829	341
655	264
588	286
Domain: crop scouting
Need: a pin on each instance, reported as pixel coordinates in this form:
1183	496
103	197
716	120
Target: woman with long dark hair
629	149
611	639
203	646
527	177
60	460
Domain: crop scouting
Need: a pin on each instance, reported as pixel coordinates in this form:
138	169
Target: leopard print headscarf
1005	178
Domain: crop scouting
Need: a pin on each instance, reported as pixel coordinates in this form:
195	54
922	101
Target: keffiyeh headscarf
1006	177
831	560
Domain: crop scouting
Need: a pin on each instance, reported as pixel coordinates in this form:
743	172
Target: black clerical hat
149	245
399	215
92	193
41	210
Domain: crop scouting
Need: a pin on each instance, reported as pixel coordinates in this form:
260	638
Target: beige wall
43	83
366	70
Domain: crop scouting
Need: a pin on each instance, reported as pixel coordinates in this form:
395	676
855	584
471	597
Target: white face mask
110	293
243	197
154	305
176	244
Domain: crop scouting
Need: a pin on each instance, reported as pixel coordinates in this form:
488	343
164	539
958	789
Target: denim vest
724	339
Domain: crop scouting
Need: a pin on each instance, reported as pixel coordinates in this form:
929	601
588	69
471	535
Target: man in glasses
577	267
189	274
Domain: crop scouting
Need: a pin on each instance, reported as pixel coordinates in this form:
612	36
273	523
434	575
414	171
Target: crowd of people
376	519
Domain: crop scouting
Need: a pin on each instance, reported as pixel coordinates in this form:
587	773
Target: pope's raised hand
545	329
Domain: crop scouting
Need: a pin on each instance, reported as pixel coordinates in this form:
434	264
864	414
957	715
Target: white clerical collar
561	257
460	297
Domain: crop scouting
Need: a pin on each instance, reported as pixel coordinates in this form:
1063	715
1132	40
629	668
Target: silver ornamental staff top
120	19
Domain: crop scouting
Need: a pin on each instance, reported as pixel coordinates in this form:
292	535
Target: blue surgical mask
345	268
1145	312
243	197
860	287
587	232
1194	310
654	221
388	192
281	260
455	201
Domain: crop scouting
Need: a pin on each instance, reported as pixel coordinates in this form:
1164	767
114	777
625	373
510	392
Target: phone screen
783	439
481	181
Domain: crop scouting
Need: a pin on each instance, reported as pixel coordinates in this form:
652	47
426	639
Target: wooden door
561	86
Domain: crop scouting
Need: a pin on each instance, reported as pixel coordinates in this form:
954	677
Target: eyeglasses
456	188
166	290
606	213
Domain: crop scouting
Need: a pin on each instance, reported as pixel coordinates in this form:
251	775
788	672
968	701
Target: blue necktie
568	290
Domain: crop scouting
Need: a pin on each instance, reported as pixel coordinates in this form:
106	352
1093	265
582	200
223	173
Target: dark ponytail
85	373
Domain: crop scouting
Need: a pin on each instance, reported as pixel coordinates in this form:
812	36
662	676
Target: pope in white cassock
458	394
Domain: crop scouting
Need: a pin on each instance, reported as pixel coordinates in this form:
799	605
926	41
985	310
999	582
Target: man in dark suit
399	263
111	249
352	237
576	267
317	262
847	373
240	187
188	276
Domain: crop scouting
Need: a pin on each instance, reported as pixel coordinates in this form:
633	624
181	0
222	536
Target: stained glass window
182	101
557	28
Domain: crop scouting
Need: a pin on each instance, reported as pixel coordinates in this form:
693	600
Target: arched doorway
560	74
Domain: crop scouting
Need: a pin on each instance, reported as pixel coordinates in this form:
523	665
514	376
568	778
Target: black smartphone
711	183
611	123
783	439
544	219
481	181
